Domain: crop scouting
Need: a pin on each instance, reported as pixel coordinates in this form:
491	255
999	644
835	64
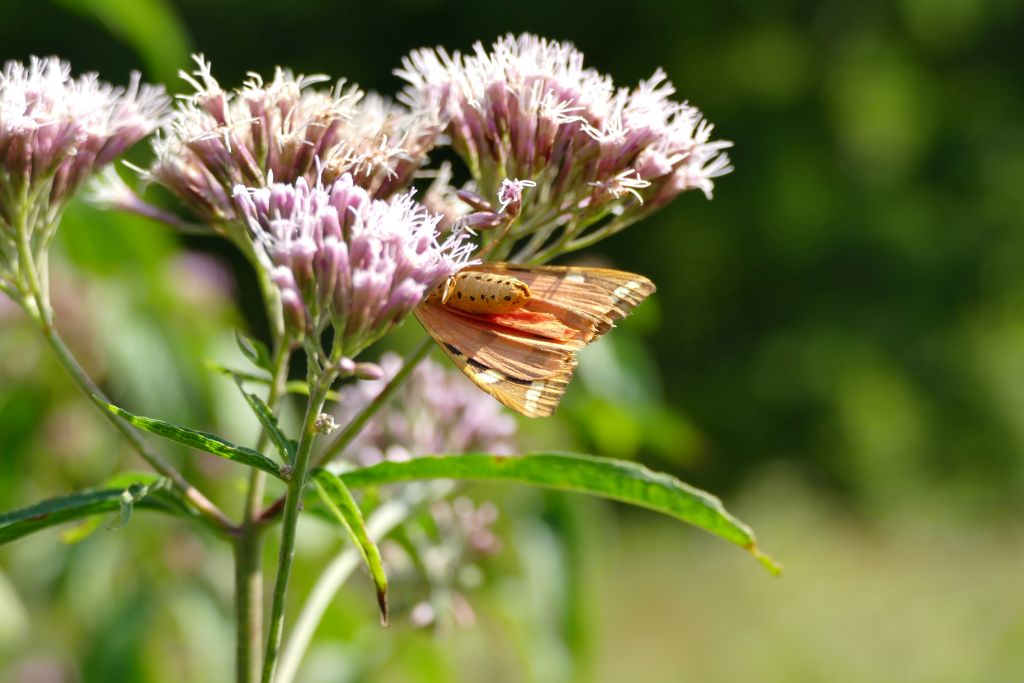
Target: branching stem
318	387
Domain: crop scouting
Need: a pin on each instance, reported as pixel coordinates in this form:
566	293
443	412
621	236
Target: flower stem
249	548
382	522
35	300
41	310
352	429
296	487
203	505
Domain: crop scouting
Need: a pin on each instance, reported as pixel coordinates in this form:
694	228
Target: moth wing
587	299
526	374
523	371
512	353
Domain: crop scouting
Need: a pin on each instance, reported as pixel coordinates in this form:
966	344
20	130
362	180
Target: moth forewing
492	346
526	371
602	292
532	398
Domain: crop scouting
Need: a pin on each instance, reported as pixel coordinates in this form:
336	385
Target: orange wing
598	295
526	361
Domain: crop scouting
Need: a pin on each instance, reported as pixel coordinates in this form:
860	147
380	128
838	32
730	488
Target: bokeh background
836	348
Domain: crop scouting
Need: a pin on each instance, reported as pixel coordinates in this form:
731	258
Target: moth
515	329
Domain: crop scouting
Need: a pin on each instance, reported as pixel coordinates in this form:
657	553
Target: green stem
194	496
35	301
352	429
249	548
382	522
248	600
569	233
596	236
41	310
10	290
292	504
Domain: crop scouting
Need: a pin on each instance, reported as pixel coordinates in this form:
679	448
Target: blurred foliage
848	311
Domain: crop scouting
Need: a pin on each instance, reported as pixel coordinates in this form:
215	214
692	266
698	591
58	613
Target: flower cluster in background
285	129
601	157
55	131
450	559
436	411
343	259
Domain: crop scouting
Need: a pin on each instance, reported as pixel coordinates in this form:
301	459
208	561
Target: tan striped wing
524	372
599	295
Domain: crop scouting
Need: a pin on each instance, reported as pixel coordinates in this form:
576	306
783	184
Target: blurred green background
836	348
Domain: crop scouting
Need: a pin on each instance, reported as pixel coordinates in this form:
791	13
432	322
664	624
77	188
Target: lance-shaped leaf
338	499
285	446
242	375
295	386
203	441
48	513
624	481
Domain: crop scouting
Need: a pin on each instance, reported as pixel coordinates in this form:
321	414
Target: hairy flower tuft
602	157
55	131
342	259
287	129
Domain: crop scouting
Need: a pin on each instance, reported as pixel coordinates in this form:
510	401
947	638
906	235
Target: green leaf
338	498
255	350
615	479
285	446
152	27
132	495
237	374
203	441
302	389
148	482
296	386
48	513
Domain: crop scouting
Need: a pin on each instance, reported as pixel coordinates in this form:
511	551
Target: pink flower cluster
55	131
527	108
286	129
343	259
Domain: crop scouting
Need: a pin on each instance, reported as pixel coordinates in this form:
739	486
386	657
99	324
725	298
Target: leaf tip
766	560
382	603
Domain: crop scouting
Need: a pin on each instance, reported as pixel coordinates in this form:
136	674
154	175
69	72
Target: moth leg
449	289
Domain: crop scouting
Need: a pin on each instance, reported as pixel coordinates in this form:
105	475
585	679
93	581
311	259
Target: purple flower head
287	129
435	411
601	157
463	534
342	259
55	131
510	194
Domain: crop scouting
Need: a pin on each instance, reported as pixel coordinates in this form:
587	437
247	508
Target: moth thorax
482	292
